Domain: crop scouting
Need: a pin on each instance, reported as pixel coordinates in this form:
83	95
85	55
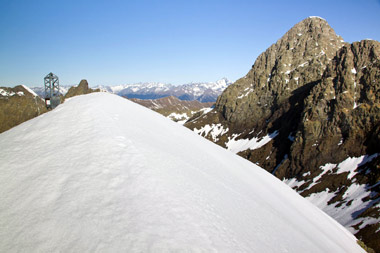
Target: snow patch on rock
215	130
237	146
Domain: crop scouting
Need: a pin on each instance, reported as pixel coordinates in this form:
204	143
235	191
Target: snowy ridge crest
126	181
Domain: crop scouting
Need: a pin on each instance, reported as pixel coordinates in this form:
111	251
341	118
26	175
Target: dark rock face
321	98
18	105
81	89
343	108
341	120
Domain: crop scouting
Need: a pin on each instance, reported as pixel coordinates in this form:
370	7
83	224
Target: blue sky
114	42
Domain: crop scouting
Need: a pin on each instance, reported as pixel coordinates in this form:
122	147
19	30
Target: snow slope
103	174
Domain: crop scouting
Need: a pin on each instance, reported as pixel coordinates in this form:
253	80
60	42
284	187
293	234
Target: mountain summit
308	112
297	59
115	176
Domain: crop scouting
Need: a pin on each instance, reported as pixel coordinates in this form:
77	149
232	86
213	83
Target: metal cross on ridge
52	98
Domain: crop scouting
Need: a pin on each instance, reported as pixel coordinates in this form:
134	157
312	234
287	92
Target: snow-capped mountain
203	92
127	179
140	90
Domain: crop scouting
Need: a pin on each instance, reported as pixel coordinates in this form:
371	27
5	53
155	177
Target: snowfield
103	174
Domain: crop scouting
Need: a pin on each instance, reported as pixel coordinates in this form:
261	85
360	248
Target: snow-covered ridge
29	90
129	180
317	17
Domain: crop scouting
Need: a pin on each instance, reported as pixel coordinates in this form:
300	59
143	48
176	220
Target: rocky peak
81	89
298	58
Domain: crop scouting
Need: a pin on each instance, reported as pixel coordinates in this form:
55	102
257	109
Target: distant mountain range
40	90
203	92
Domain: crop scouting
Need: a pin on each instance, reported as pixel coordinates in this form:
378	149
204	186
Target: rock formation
81	89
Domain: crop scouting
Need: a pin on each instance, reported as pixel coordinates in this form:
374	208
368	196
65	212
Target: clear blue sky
115	42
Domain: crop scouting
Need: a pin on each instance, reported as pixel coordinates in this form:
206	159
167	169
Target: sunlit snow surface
215	131
237	146
103	174
30	90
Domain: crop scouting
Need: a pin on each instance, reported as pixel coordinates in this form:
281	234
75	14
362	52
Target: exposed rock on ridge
21	103
81	89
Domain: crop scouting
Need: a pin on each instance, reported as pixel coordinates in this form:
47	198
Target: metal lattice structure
52	98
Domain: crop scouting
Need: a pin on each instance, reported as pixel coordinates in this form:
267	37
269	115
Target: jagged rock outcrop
17	105
308	111
81	89
343	108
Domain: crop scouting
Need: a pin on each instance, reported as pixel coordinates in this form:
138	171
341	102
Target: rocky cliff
308	112
341	114
17	105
